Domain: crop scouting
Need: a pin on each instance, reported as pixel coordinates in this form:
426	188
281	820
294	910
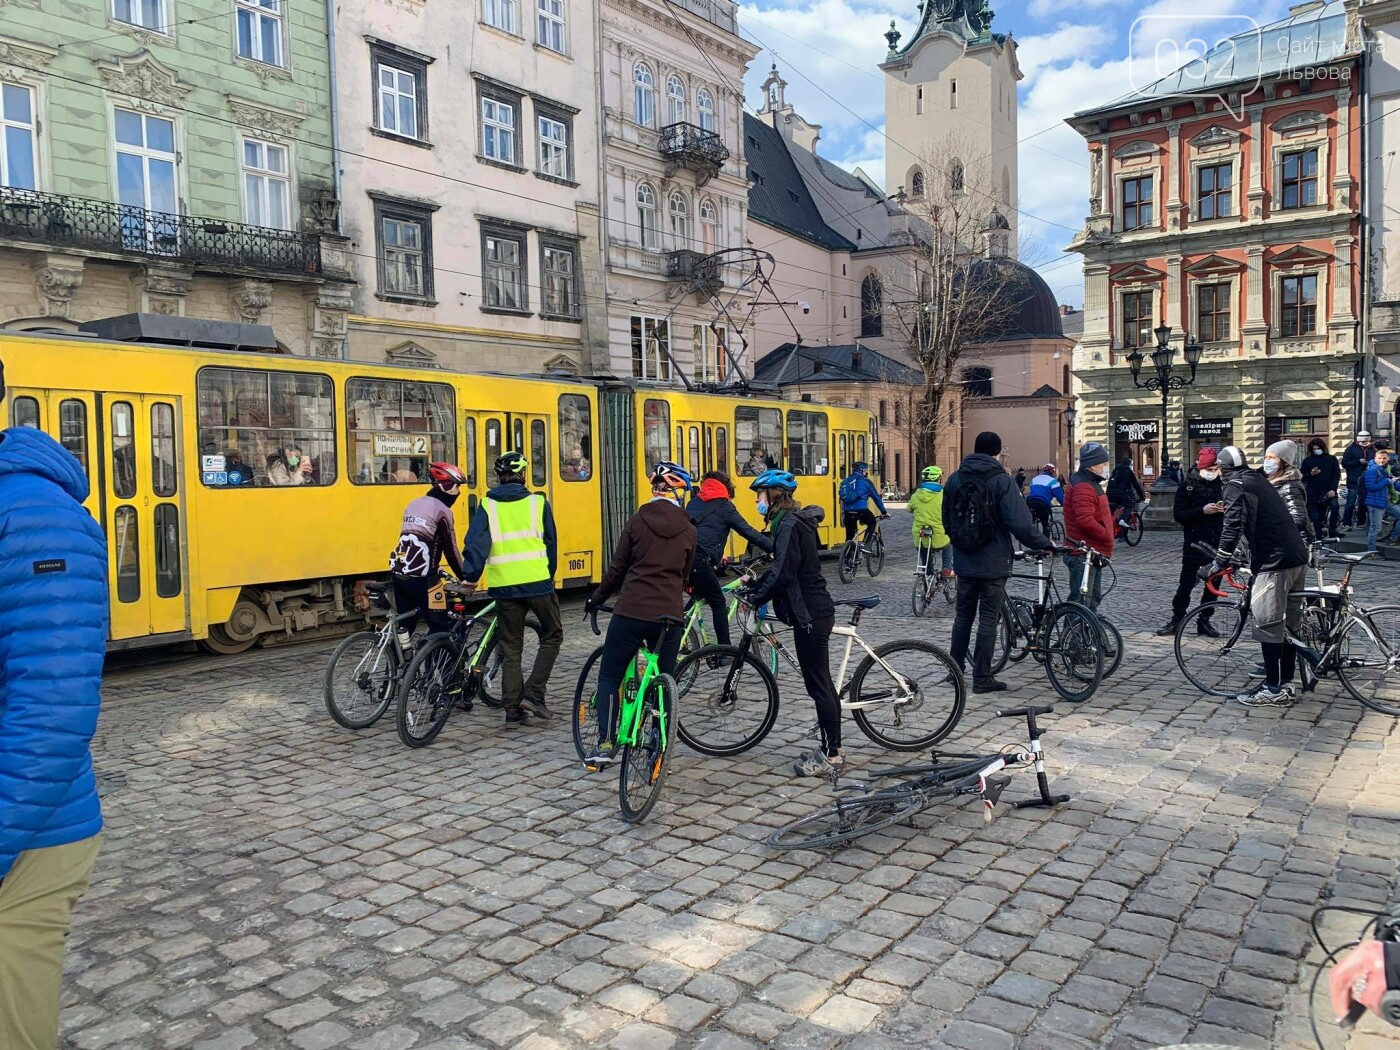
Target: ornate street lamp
1163	358
1071	414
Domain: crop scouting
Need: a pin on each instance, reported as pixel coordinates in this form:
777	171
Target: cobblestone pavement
269	880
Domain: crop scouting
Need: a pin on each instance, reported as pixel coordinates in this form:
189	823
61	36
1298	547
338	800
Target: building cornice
732	47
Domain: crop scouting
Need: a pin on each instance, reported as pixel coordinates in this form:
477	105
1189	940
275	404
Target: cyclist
797	589
1124	491
648	574
714	516
512	537
926	504
855	493
1046	491
427	535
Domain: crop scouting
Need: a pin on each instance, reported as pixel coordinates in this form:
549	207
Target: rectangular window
919	101
19	152
575	438
953	94
656	431
1137	203
1137	319
560	280
1212	312
1299	307
707	343
503	14
551	24
24	412
73	430
265	428
267	185
469	438
400	81
395	429
807	443
163	472
405	236
1213	191
123	443
651	347
554	147
260	30
126	553
498	130
503	269
1298	179
539	453
167	522
145	153
148	14
758	439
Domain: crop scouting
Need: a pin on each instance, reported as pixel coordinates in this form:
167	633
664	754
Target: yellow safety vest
518	554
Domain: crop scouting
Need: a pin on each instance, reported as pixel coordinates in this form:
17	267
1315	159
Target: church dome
996	221
1034	313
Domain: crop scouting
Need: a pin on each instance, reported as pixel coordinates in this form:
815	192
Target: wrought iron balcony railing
78	222
689	146
694	272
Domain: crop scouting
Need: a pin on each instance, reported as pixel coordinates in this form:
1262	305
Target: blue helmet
861	466
774	479
670	475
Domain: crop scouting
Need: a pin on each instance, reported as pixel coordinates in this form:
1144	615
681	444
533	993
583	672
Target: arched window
955	176
916	184
1065	389
675	100
872	306
680	221
646	215
644	95
709	226
705	106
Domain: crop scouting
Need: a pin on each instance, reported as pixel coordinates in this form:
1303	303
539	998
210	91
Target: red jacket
1087	517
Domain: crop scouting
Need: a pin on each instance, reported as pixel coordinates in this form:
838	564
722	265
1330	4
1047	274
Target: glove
590	604
1207	571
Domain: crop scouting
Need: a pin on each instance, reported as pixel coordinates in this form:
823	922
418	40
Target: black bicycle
856	551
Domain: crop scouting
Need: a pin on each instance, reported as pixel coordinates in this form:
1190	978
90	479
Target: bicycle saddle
861	603
1352	558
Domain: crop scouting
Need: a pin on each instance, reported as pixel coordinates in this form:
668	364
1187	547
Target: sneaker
1169	628
517	717
533	705
1266	697
1122	524
817	763
1203	626
989	685
600	756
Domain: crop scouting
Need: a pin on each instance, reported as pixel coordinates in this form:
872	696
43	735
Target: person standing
1198	508
1046	491
1322	475
982	511
1378	487
53	639
1355	459
714	516
1288	481
926	504
1088	520
855	492
1021	479
513	539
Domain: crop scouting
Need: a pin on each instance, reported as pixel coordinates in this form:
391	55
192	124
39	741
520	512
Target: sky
1074	54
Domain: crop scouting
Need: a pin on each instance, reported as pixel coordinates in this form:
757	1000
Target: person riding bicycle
714	516
1045	492
856	492
1197	508
926	504
648	573
1124	491
796	587
1088	520
513	538
428	534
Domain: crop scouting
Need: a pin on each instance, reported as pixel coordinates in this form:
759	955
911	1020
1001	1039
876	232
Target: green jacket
926	504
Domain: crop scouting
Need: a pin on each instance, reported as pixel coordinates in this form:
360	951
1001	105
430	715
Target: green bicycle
698	634
642	721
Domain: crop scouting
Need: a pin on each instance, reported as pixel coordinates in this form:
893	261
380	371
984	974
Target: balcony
692	147
694	272
60	221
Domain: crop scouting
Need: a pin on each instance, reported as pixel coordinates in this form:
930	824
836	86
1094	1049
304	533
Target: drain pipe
335	114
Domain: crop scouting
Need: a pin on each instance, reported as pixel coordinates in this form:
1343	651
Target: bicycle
855	552
887	695
362	677
696	633
641	720
452	667
1129	524
949	776
929	581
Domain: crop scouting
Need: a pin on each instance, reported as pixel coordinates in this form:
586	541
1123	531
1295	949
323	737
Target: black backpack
971	518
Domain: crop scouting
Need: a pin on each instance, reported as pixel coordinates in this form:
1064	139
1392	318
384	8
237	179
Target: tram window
127	553
841	455
807	443
396	429
539	453
493	441
575	438
721	448
469	428
694	445
73	430
163	452
860	450
758	439
263	428
123	451
167	518
656	425
518	433
24	412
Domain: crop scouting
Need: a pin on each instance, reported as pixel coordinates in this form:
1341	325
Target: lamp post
1071	414
1164	380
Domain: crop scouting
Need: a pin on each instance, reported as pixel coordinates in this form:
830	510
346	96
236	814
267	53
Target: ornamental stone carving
19	59
143	76
277	123
57	278
250	299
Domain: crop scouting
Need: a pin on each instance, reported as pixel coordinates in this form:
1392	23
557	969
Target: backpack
849	491
970	515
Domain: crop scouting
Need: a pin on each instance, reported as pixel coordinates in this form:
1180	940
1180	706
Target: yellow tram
248	496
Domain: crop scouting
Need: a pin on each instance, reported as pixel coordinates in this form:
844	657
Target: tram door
530	434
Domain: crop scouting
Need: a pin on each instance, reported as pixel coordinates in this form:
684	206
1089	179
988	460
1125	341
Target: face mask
1101	470
1317	452
1271	466
1210	475
763	508
292	461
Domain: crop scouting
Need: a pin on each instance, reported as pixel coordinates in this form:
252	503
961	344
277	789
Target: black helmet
511	463
1231	458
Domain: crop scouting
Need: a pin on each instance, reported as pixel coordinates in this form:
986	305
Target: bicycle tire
1113	646
1057	531
846	820
492	686
937	673
648	758
1005	638
1380	691
1216	666
1073	648
875	559
429	689
920	600
712	705
1132	535
377	684
846	569
585	718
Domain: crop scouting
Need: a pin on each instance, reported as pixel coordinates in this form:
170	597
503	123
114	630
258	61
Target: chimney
1066	309
857	356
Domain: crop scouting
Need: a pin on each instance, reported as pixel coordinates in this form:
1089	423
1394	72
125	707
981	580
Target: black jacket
993	561
1256	515
795	584
713	520
1355	460
1327	478
1124	487
1289	485
1192	496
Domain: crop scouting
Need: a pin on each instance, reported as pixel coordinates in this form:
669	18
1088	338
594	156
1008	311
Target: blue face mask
763	508
1317	452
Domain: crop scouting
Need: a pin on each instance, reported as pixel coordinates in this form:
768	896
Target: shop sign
1136	431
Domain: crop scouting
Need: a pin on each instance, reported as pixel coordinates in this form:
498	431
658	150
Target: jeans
851	518
1374	517
625	637
1355	503
945	555
1324	517
981	599
812	647
706	586
510	620
1075	564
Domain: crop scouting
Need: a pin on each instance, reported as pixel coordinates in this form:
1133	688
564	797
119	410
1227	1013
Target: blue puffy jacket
864	491
1376	483
53	637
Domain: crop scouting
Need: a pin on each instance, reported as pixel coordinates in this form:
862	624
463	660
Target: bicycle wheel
1073	647
847	819
493	661
1370	659
730	704
1218	666
1057	530
850	553
644	763
586	705
1113	646
875	559
921	594
429	689
362	679
911	697
949	588
1132	535
1005	639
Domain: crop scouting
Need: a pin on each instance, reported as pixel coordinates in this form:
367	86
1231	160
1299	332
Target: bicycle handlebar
591	615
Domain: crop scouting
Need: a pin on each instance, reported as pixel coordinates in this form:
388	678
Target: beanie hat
987	443
1285	450
1091	454
1206	459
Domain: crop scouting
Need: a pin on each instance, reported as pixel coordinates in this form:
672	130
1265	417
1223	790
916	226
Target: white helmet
1231	458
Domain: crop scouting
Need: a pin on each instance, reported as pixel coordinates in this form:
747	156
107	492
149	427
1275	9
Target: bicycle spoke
1220	666
909	698
727	705
361	679
848	819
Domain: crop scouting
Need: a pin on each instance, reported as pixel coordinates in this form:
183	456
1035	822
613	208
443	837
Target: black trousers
1324	514
625	636
852	518
1040	512
813	650
1191	562
705	583
981	599
411	595
510	636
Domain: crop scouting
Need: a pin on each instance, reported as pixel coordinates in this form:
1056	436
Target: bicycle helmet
446	475
511	463
931	473
1050	469
861	467
1230	458
670	475
774	479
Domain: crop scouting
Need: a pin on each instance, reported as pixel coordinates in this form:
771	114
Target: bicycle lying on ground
929	581
948	776
855	552
362	677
